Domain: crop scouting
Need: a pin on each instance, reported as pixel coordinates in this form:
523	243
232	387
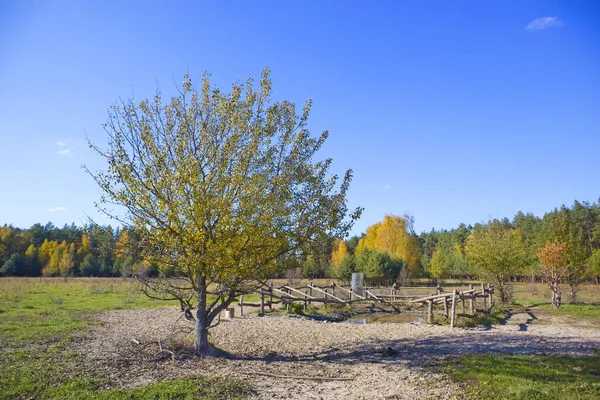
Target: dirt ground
277	353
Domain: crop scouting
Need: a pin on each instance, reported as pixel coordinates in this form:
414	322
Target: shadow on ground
417	352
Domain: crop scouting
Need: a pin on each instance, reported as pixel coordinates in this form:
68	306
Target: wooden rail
287	294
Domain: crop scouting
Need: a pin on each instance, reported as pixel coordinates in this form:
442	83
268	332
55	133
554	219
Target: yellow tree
393	236
45	252
221	187
85	248
53	267
67	260
340	251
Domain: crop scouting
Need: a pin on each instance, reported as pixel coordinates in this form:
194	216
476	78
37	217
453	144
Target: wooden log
432	297
453	308
472	300
445	308
372	295
297	292
484	302
285	294
351	293
305	298
430	311
330	295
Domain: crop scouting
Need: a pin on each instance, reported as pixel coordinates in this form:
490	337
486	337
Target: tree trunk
556	296
573	289
201	345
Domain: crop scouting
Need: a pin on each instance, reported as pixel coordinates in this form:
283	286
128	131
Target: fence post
430	311
262	302
453	308
472	299
446	307
484	302
305	292
241	305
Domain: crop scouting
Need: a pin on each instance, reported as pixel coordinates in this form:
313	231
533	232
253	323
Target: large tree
497	253
221	188
393	236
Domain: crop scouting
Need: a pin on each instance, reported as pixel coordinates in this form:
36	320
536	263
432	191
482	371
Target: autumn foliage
554	268
393	236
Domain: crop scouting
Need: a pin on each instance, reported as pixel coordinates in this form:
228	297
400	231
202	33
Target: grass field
528	377
39	316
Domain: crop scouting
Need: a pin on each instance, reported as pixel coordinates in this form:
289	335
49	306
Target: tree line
502	250
91	250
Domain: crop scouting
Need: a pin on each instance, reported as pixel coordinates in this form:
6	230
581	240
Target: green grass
528	377
495	317
538	296
46	308
54	373
37	318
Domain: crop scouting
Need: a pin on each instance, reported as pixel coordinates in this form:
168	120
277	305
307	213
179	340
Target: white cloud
55	209
542	23
387	186
65	148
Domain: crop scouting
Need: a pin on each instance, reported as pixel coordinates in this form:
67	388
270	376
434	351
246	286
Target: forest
388	249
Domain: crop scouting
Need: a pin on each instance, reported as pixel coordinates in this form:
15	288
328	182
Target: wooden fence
343	294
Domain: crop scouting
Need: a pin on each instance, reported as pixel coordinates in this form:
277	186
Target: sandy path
295	346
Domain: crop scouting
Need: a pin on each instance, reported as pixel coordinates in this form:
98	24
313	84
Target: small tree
594	264
554	268
220	188
497	252
439	266
346	268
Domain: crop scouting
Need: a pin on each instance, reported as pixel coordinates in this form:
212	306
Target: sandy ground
391	361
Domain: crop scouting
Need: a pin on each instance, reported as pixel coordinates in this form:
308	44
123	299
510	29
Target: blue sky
450	111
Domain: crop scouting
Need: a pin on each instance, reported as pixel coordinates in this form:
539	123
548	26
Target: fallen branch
314	378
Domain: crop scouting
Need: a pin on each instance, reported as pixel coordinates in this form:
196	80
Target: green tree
497	252
346	268
14	266
439	266
220	186
594	264
90	266
33	266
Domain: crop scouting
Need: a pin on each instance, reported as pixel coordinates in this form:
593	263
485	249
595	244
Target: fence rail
342	294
